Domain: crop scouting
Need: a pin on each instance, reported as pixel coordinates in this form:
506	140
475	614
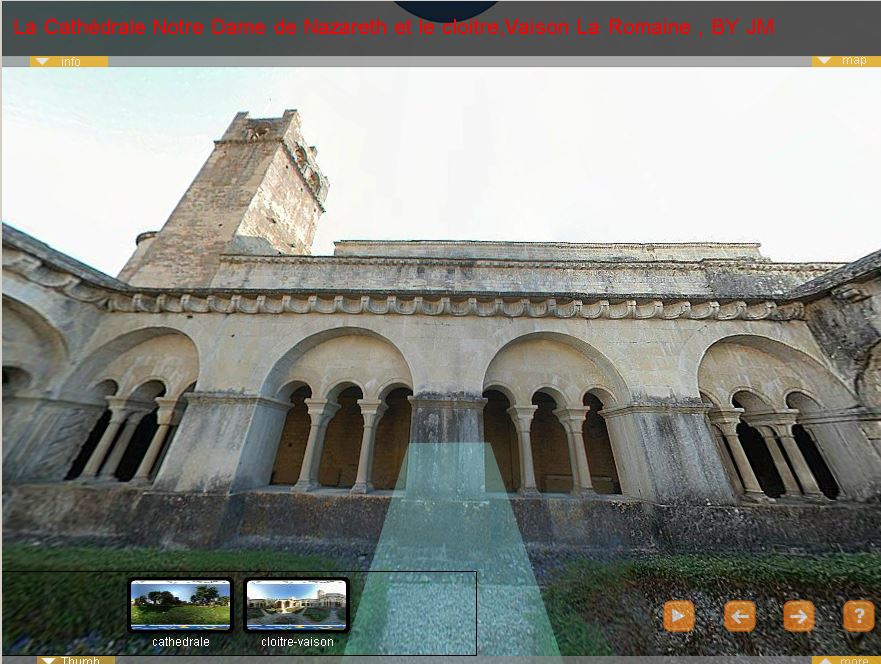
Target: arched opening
137	447
760	459
816	462
809	447
756	448
501	435
342	442
294	436
553	472
180	409
392	438
103	389
143	434
598	446
15	379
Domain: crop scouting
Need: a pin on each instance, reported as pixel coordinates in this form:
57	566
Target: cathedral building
229	387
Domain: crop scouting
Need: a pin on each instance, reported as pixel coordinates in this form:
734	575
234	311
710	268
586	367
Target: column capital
522	416
121	408
320	410
723	416
772	418
573	416
166	412
372	408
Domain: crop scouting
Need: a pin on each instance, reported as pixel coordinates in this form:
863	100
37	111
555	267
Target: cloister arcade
778	417
774	437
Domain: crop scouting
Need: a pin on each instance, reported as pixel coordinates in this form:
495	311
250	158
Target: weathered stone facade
227	377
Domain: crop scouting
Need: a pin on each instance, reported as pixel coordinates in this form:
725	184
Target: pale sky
790	158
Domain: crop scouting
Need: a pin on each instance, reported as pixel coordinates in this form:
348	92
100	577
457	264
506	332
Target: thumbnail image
297	604
179	605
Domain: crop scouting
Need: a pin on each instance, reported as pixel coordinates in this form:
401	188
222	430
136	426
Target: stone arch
342	438
766	367
597	442
294	434
553	468
35	355
751	380
32	344
347	370
552	361
325	359
501	437
806	439
392	438
135	450
104	389
145	364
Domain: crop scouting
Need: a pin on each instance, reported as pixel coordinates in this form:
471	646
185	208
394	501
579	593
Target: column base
304	487
756	497
361	488
529	492
584	492
104	479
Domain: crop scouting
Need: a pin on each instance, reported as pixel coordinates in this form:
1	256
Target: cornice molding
160	301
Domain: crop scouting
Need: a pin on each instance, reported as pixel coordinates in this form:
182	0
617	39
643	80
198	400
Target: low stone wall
128	515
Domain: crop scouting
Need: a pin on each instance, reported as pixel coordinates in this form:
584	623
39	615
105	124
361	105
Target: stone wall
261	519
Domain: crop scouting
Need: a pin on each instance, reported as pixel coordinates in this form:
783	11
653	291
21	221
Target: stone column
371	411
165	417
759	421
320	413
727	421
119	448
522	417
572	420
783	428
118	414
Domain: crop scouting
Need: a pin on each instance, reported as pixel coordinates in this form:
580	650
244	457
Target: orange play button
679	615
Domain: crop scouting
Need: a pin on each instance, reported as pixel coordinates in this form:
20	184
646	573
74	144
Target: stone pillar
165	417
119	448
446	456
522	417
670	454
572	420
320	413
118	414
446	419
371	412
727	421
225	442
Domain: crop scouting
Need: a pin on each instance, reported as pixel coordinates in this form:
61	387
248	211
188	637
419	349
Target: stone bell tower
259	193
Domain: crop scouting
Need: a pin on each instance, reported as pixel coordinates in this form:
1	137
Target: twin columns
772	426
125	416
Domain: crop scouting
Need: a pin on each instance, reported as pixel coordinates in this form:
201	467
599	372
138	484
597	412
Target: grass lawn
316	614
615	607
595	608
49	605
181	615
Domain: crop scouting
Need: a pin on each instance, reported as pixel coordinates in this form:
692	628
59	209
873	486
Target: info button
72	61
